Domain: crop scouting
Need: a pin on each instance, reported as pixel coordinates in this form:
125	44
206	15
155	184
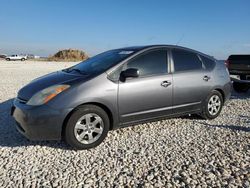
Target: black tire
22	59
69	133
7	59
240	87
205	112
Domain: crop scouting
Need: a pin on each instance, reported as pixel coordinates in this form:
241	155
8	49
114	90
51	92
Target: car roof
139	48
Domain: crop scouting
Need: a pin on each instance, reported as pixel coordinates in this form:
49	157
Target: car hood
48	80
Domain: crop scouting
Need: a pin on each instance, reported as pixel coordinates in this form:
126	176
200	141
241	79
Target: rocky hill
69	55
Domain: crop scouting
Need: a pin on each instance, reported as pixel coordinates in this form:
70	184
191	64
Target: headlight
46	94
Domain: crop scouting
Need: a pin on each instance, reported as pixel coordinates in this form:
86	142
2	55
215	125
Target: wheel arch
104	107
221	92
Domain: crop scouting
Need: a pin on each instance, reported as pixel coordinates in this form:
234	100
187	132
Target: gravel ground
181	152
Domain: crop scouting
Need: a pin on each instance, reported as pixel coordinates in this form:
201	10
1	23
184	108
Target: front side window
185	61
150	63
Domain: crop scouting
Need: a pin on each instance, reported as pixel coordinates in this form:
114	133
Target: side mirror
130	73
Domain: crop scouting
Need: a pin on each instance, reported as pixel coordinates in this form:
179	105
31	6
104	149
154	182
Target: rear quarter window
208	63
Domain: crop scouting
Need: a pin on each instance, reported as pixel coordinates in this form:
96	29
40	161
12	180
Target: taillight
227	62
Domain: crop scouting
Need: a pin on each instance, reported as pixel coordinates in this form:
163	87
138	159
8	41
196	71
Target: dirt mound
69	55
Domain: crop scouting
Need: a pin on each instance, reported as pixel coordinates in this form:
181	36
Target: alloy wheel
214	105
89	128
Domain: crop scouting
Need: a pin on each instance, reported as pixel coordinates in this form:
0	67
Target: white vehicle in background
16	57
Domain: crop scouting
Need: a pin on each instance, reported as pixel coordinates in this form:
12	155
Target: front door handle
165	83
206	78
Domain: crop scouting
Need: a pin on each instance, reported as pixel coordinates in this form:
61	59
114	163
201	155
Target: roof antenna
182	36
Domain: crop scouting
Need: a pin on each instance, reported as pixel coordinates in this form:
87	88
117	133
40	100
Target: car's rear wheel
22	59
87	127
7	59
240	87
212	105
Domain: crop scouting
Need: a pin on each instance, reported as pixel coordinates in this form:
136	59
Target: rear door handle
165	83
206	78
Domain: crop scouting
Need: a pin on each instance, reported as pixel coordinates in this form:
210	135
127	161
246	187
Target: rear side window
208	63
185	61
150	63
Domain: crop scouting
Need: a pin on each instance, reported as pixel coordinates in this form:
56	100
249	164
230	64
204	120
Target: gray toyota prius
119	88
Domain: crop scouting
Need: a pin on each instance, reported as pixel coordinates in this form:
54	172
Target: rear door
191	81
149	95
12	57
16	57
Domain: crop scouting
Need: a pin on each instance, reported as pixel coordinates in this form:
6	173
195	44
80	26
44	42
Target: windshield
102	62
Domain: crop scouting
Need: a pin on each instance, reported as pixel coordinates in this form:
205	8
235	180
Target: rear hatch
239	64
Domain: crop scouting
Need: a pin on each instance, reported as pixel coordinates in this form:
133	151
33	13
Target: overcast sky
218	28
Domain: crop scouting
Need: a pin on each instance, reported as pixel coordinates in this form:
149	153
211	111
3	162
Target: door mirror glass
130	73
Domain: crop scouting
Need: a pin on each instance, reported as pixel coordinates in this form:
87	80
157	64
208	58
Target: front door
149	95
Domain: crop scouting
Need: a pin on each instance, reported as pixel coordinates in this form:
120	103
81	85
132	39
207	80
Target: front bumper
38	122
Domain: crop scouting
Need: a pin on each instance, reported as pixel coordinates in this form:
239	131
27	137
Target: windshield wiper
66	70
78	70
75	69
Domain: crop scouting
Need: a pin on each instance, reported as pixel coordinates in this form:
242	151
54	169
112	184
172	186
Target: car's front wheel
87	127
212	105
